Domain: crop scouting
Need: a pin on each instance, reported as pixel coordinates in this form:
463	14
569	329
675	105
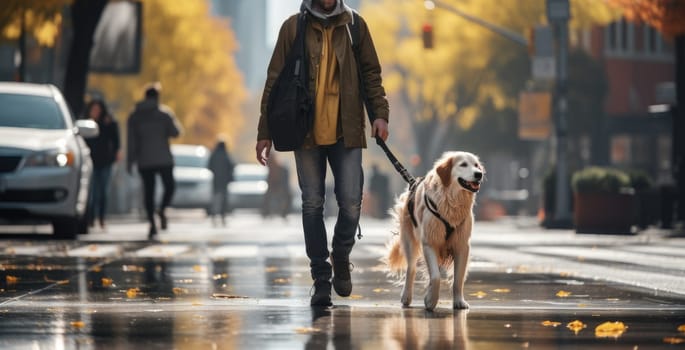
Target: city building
639	66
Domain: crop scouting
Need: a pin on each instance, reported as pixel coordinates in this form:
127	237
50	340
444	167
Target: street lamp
558	14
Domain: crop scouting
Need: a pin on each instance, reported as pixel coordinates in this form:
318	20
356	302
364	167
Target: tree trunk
85	15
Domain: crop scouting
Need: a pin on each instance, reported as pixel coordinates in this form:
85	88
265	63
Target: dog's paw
460	304
406	297
430	302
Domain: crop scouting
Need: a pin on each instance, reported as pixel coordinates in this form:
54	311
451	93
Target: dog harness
430	204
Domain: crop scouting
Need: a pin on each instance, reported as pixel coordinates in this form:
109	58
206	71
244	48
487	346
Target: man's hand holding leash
380	129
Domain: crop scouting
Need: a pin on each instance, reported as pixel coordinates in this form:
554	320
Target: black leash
396	163
413	184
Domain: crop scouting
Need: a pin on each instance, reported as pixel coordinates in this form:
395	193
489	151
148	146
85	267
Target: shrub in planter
603	200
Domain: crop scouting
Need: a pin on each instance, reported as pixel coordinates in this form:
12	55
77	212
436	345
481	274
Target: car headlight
51	158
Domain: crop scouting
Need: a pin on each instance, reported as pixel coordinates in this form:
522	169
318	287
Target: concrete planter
603	212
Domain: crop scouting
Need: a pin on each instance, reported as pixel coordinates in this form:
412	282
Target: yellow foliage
42	19
458	69
191	54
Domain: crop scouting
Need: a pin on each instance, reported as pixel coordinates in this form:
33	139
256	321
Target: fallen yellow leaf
11	279
381	290
576	326
610	330
271	269
681	328
198	268
219	276
306	330
58	282
281	281
179	291
479	294
96	269
132	293
132	268
356	296
227	296
501	290
551	323
674	340
563	294
77	324
106	282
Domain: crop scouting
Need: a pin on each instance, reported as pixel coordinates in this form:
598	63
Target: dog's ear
444	171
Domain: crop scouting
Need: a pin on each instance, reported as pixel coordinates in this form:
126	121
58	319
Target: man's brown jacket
352	116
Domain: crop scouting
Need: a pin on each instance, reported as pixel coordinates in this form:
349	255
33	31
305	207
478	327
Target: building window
619	38
620	150
654	43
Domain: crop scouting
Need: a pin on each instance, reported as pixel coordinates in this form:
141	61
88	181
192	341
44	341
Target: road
247	286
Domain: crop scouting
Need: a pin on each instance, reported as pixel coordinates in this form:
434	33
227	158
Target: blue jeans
346	166
99	185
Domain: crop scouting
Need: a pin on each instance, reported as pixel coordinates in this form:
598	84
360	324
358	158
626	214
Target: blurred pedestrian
221	165
150	127
278	196
104	151
379	188
337	135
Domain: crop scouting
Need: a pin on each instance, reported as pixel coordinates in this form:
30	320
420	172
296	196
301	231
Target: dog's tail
395	260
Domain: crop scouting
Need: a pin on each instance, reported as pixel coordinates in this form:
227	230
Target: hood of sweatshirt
340	7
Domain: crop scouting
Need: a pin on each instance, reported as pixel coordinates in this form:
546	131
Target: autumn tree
470	72
191	54
43	19
668	16
40	19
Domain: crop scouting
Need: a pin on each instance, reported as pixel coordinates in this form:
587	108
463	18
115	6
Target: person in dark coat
150	127
221	165
379	186
104	151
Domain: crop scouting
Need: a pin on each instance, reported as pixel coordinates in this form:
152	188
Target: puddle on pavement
262	303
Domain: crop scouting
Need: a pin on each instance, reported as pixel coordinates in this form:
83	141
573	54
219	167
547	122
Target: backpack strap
355	37
353	32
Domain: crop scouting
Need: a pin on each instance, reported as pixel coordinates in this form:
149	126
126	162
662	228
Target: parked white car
45	164
193	179
248	186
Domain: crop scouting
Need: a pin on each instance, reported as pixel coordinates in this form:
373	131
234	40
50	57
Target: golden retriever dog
442	202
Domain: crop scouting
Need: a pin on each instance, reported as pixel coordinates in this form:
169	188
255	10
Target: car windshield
28	111
190	161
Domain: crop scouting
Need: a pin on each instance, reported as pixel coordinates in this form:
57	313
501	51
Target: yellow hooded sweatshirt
327	98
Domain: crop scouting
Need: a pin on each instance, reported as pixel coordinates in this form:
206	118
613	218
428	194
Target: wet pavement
242	292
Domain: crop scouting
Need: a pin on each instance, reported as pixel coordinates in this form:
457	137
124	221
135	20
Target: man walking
149	128
337	136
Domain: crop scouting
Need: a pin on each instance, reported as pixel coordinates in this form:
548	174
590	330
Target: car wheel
65	228
82	225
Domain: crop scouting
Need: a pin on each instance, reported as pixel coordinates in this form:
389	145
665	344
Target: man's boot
342	281
322	293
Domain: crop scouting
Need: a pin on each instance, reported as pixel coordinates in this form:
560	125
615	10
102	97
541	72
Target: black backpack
290	108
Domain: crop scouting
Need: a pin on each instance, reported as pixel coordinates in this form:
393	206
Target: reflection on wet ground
201	302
